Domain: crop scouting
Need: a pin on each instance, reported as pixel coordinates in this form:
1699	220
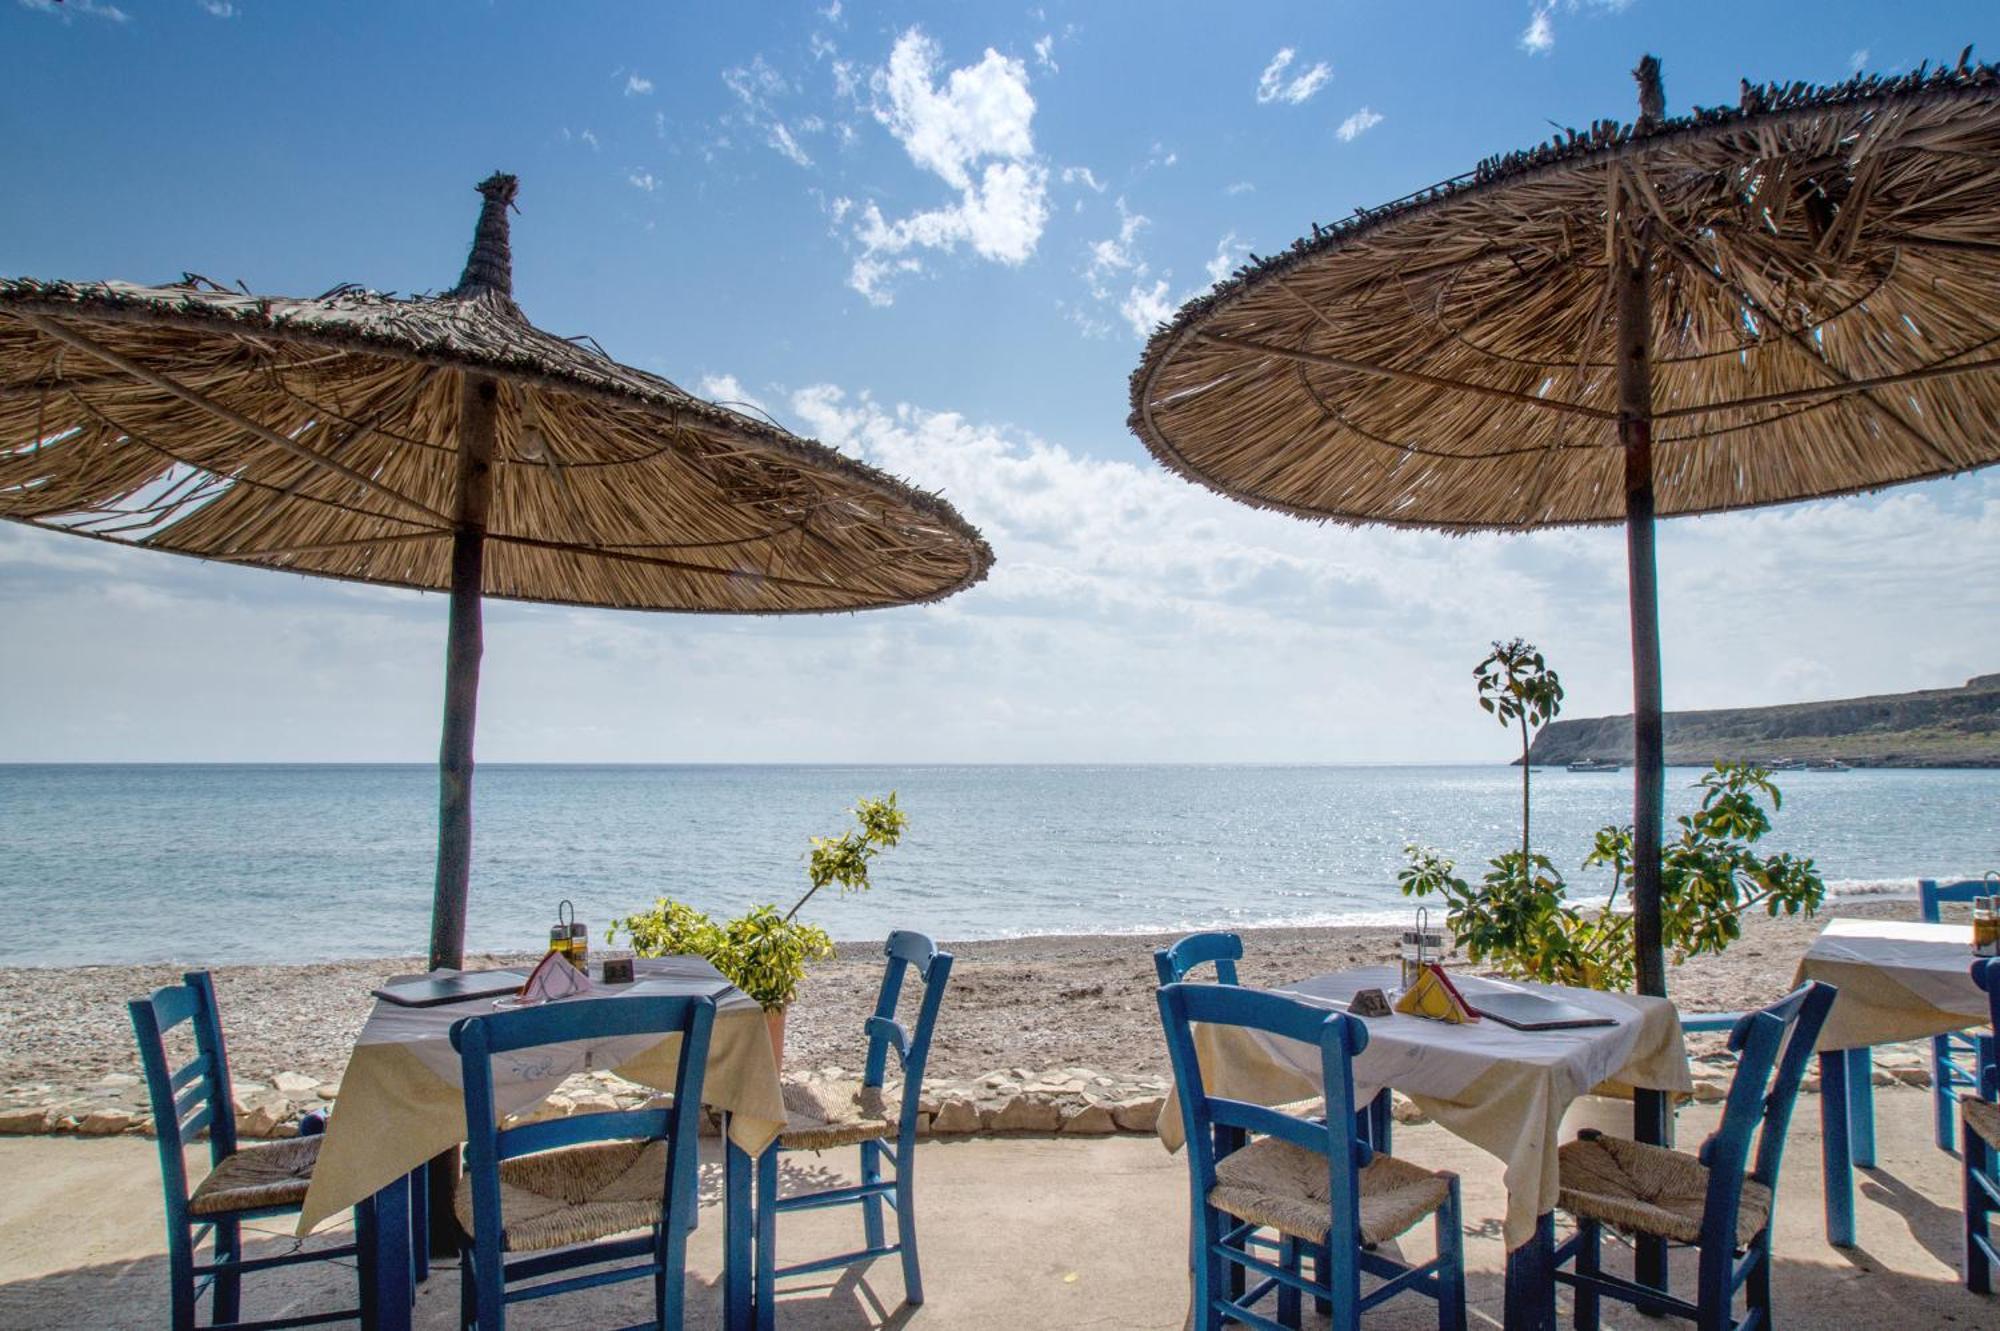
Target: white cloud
758	87
1146	306
86	8
217	8
832	12
1358	124
644	180
583	136
1115	255
635	86
973	131
821	46
1858	61
1081	175
1240	187
1273	86
1229	255
1045	53
1539	37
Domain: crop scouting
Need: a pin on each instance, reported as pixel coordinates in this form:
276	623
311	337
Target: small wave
1877	889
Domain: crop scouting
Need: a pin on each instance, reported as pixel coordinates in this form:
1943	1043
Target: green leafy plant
1518	916
761	952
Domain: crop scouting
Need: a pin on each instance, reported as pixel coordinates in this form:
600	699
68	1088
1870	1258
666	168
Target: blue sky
933	237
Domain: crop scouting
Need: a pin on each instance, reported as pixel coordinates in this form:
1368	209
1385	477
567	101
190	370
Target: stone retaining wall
1075	1100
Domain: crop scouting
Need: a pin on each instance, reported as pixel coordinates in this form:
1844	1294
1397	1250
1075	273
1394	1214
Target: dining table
1898	980
402	1103
1503	1090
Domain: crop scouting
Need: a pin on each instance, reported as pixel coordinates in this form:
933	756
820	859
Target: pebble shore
1038	1035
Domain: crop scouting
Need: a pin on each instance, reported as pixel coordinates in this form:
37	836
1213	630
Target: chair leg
871	1207
468	1294
906	1223
1943	1103
1589	1262
1322	1263
228	1287
765	1298
1451	1262
1978	1269
1861	1104
1288	1297
1209	1280
180	1272
1757	1285
670	1279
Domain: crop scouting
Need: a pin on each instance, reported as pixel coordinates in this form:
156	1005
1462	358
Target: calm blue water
279	863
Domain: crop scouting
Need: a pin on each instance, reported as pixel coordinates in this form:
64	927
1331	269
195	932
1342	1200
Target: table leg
1531	1285
443	1174
1861	1104
1836	1116
382	1231
737	1259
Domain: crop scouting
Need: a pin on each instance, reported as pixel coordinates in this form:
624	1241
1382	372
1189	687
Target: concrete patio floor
1017	1232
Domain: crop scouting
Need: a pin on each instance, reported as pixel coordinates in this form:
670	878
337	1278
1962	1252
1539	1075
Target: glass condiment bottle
559	938
1985	926
579	947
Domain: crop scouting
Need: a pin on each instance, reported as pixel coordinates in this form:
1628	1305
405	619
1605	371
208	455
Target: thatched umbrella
1794	297
440	443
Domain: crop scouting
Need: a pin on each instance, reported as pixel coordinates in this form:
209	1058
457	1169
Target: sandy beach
1032	1003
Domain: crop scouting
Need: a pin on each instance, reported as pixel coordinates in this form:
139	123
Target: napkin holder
553	978
1435	998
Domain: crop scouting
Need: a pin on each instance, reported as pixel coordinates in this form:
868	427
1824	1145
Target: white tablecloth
1898	980
402	1100
1503	1090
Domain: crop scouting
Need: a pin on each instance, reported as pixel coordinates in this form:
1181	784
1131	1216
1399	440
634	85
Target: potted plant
761	952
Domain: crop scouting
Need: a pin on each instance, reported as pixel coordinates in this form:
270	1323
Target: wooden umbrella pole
478	412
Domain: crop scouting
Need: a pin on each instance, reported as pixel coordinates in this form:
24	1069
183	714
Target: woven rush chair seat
1982	1117
1649	1190
556	1198
268	1174
1276	1183
820	1116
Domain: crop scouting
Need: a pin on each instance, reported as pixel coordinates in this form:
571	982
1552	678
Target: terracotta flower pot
774	1018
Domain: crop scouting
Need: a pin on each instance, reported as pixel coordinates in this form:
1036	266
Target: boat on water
1594	765
1828	765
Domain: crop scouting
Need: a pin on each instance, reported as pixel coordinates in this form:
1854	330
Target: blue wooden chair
244	1183
821	1118
562	1189
1708	1201
1173	965
1981	1111
1956	1056
1224	950
1315	1181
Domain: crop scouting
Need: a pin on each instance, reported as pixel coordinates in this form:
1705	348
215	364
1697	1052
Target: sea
218	864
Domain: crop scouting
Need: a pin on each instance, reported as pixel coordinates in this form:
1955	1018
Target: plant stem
799	905
1524	792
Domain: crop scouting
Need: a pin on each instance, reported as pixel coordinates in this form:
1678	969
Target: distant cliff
1930	728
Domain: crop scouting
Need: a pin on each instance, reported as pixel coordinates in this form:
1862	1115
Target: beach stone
327	1090
114	1081
557	1105
295	1084
1024	1113
955	1116
923	1124
24	1121
1091	1120
1405	1110
594	1102
263	1117
1139	1113
1710	1092
105	1123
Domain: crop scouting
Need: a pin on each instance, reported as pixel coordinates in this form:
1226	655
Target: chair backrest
913	1049
1931	893
196	1095
479	1040
1174	963
1773	1048
1986	974
1338	1038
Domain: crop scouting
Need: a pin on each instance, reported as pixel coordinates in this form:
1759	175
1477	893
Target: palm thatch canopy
322	436
1821	266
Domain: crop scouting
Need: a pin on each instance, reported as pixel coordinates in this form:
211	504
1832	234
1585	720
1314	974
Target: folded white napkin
554	978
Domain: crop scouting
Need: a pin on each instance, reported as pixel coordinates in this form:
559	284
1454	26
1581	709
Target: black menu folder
1534	1012
430	991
